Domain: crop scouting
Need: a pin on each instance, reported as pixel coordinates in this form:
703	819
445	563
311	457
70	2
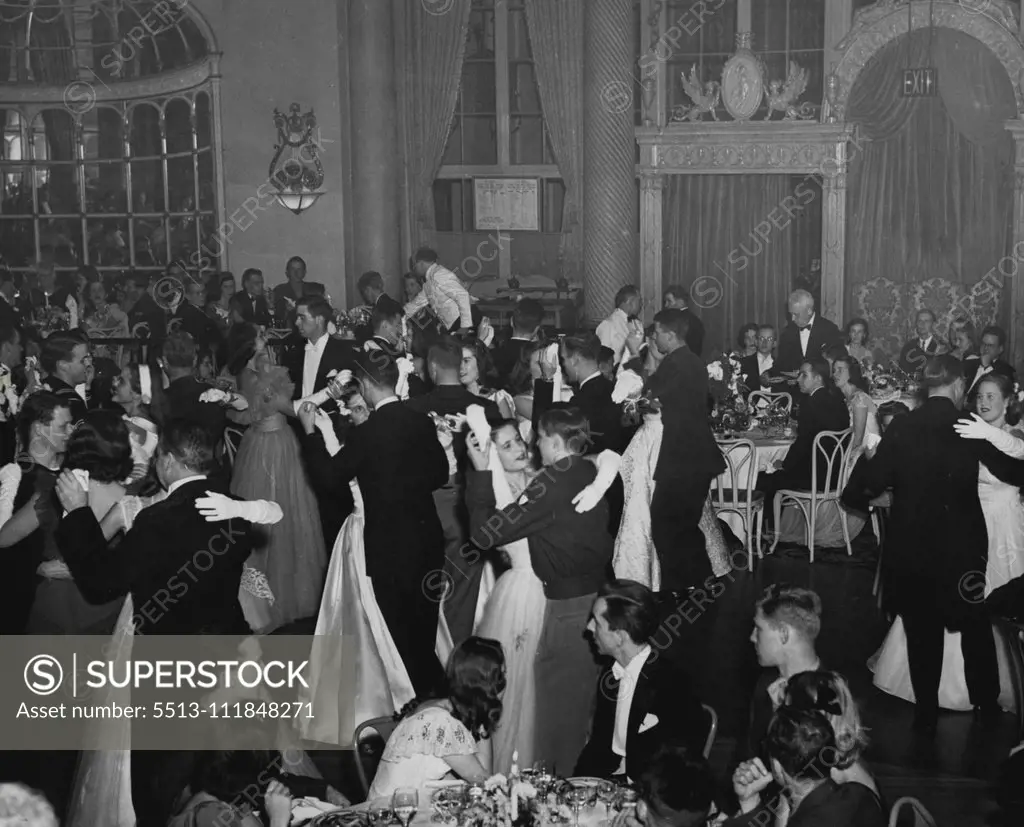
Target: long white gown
356	672
1004	519
634	557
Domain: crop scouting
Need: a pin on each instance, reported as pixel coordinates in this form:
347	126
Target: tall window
498	131
119	171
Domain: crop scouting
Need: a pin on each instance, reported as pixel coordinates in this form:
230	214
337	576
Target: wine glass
380	814
405	802
577	798
607	792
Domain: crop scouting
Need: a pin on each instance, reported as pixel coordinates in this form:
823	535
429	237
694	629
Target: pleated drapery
556	36
931	179
433	76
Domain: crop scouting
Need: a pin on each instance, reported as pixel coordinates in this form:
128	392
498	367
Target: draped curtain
930	179
556	35
719	229
437	46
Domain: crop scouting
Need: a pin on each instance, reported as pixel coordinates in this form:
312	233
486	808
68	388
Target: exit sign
919	83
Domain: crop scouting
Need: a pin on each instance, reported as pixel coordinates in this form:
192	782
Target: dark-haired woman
100	447
448	736
997	415
139	391
478	373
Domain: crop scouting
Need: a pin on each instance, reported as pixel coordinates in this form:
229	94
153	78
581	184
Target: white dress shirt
593	375
627	677
174	486
448	296
765	363
311	363
805	335
614	331
387	401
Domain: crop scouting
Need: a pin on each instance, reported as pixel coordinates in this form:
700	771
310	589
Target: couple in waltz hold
550	526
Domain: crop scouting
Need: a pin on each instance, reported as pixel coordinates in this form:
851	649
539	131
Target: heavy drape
731	238
556	35
931	179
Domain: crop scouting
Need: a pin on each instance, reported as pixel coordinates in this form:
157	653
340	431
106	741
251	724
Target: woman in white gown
998	410
356	672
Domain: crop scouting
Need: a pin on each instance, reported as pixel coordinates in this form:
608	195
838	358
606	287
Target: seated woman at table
857	335
962	339
449	736
848	378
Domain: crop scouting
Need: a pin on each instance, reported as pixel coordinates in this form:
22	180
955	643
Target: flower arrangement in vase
727	396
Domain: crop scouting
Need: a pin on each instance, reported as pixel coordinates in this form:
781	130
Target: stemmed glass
405	802
577	798
607	792
380	815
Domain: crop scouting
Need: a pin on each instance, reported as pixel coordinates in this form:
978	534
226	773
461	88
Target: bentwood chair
918	814
712	732
383	727
834	448
768	399
733	491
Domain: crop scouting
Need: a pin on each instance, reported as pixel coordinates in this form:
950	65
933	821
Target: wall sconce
299	177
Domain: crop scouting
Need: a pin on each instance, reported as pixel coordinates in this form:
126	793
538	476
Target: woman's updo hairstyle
829	693
100	445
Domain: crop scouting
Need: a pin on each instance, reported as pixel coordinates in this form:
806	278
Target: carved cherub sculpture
782	97
705	97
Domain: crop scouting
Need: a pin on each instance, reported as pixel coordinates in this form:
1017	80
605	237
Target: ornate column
833	233
651	280
1013	292
375	151
609	155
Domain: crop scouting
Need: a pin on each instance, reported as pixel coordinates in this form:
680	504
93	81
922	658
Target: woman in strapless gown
268	466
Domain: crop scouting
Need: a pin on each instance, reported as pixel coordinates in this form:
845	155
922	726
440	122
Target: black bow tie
804	327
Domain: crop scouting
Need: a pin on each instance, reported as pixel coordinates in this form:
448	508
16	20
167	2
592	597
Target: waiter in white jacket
445	294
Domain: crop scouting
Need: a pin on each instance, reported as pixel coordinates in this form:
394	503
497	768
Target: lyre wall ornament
299	176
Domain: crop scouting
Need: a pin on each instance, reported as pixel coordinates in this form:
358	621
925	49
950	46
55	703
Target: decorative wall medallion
742	80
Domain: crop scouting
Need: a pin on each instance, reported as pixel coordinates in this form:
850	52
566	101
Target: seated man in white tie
644	701
993	342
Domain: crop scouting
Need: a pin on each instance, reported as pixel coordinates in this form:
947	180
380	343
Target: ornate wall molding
992	22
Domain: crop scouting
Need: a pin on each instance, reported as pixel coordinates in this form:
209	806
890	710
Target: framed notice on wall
507	203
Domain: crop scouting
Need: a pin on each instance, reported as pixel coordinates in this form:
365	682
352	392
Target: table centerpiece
727	397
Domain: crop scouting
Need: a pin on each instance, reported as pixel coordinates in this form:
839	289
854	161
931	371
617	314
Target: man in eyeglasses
758	369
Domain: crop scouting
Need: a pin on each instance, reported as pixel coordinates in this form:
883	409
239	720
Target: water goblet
577	798
405	802
607	792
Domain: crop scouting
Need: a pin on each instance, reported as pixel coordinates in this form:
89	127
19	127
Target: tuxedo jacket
937	534
594	399
153	559
253	309
197	324
284	291
695	333
824	334
688	448
68	395
913	356
506	356
823	410
973	366
181	401
662	691
398	462
338	355
147	320
750	371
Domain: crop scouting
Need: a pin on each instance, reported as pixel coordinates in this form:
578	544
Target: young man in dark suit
915	352
675	297
399	463
993	342
183	391
182	572
287	296
937	540
570	553
147	320
191	316
689	458
371	288
65	359
822	409
593	392
463	564
249	302
641	689
807	335
526	321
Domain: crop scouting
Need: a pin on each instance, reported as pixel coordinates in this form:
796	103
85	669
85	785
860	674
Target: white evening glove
608	463
628	385
405	367
10	479
484	332
477	421
218	507
336	382
978	428
326	427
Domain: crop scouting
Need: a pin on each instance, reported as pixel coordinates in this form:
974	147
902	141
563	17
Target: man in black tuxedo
758	369
993	342
593	392
807	335
643	701
689	458
66	359
147	320
526	322
937	541
463	565
916	351
182	572
570	553
249	302
191	316
399	463
822	409
371	288
675	297
287	296
181	396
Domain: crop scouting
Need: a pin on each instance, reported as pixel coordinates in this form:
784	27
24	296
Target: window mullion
501	82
